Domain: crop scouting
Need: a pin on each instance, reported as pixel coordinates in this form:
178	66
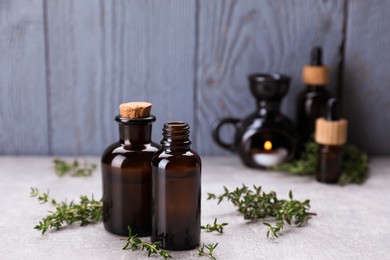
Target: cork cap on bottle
316	73
331	132
135	109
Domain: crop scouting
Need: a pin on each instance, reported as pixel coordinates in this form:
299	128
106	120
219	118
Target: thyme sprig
354	166
210	247
73	169
88	210
291	212
256	204
135	243
214	227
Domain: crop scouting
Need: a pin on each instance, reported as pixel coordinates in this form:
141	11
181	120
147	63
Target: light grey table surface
353	222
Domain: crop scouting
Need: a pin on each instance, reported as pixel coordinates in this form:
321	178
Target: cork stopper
332	130
316	73
135	109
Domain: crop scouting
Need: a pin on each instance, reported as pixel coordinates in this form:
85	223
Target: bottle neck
268	107
315	87
176	137
135	134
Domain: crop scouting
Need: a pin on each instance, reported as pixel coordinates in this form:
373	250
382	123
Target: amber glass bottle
127	178
311	102
330	159
176	190
331	135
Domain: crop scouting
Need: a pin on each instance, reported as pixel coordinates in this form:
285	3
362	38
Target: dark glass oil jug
266	137
127	178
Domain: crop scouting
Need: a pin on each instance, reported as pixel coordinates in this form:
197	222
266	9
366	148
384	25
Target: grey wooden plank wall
23	103
103	53
66	65
366	88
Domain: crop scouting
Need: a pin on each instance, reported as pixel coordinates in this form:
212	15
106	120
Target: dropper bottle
331	135
311	102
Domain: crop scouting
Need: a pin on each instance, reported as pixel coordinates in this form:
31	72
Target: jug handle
216	132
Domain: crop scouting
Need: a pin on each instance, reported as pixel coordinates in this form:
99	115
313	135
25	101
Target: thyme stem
134	243
88	210
256	204
214	227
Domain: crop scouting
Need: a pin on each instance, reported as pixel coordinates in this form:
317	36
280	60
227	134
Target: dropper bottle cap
331	130
316	56
316	73
332	114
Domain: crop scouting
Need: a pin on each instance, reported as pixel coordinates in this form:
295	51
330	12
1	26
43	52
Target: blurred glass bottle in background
331	135
311	102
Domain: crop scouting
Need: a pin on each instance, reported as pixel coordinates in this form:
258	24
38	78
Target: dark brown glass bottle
331	135
176	190
330	159
311	102
127	178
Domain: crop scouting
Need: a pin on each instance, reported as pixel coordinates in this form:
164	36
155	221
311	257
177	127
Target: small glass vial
127	173
176	190
331	134
311	102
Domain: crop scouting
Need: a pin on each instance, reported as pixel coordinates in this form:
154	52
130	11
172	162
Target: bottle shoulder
330	148
170	159
117	150
318	93
161	153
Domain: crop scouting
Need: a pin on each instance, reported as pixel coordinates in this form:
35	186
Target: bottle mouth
177	130
176	125
135	121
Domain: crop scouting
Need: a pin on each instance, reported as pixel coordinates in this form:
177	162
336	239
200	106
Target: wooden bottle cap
331	132
135	109
315	75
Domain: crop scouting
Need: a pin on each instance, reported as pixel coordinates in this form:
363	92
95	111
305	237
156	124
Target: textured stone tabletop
353	222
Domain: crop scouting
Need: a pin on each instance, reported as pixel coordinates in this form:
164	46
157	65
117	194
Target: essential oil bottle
331	135
127	173
176	190
311	102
